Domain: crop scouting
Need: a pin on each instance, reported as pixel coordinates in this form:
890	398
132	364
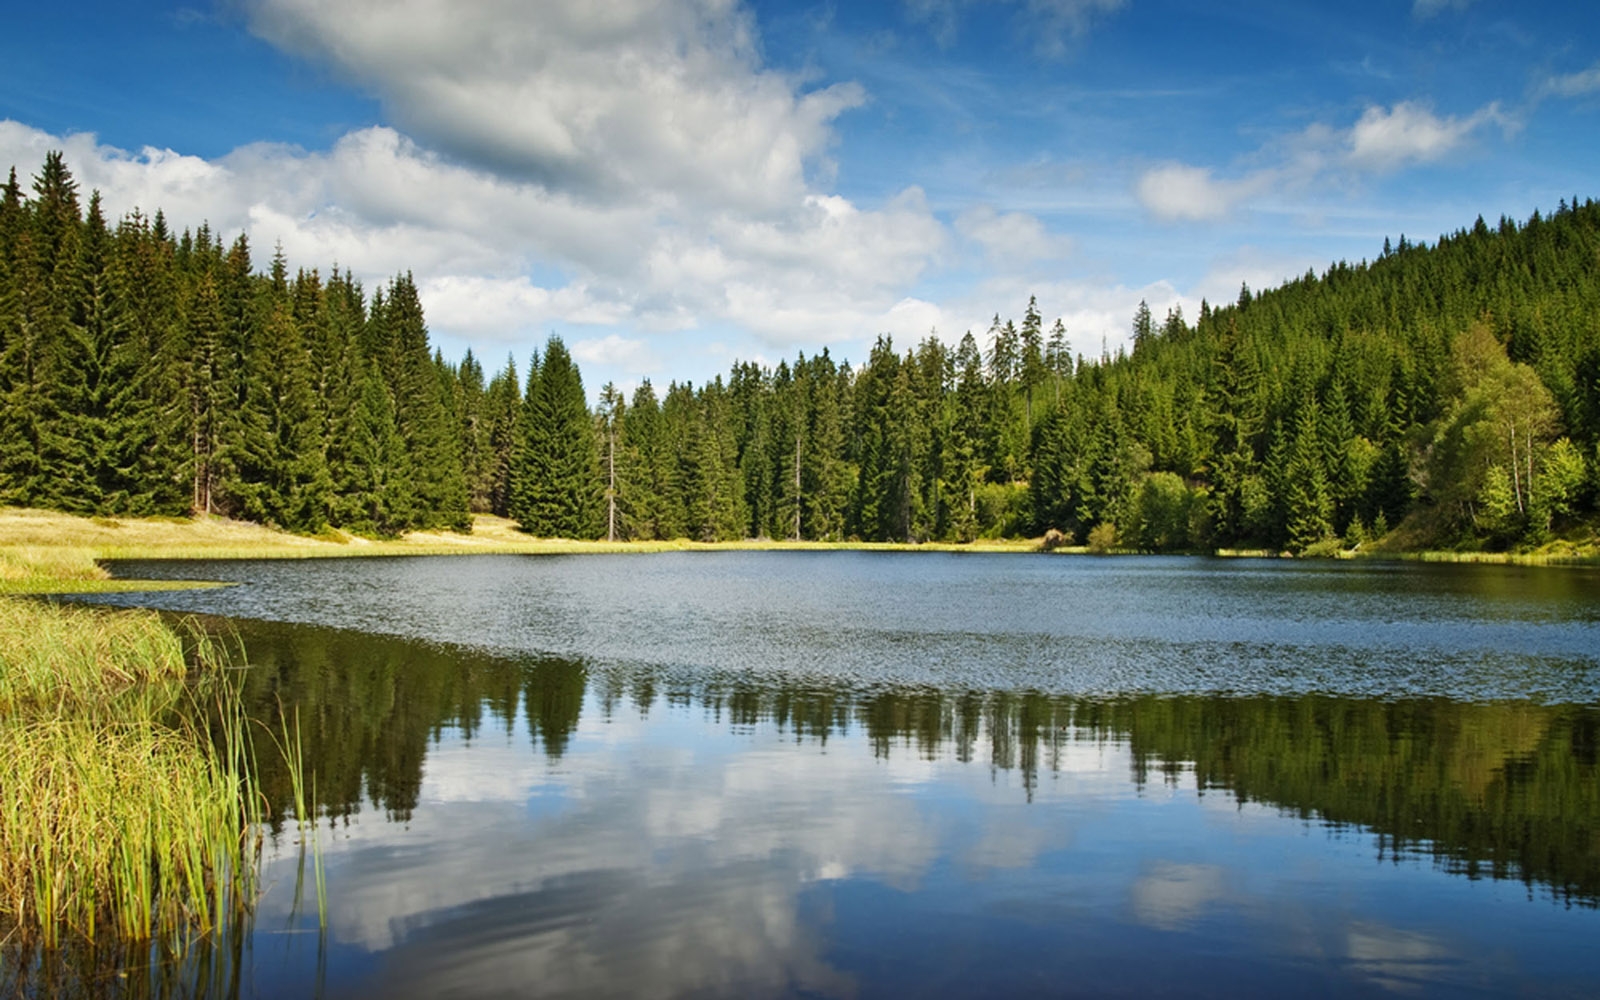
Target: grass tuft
120	816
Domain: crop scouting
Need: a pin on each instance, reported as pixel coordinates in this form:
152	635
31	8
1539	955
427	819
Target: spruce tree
556	483
504	406
374	487
46	266
431	438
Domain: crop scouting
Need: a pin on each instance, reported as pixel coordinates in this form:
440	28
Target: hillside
1443	395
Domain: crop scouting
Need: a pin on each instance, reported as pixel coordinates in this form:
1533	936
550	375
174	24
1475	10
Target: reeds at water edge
128	800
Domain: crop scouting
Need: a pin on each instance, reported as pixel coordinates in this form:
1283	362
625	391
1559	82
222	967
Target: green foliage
1455	388
1167	515
555	481
1102	537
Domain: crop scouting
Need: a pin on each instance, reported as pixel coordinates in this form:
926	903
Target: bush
1102	537
1003	509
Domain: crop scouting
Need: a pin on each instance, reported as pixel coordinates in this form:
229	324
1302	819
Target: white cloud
1178	192
1410	133
499	308
1577	84
621	100
629	167
1383	139
632	355
1011	238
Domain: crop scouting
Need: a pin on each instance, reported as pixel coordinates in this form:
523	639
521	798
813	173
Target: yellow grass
116	817
48	552
44	551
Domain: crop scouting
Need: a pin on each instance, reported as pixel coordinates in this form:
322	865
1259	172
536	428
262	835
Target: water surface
858	774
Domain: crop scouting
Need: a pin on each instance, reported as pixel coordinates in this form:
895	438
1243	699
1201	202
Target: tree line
1451	390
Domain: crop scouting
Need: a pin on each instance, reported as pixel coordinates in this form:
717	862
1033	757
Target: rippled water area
906	774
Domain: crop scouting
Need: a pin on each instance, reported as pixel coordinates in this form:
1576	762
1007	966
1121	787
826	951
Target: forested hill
1455	388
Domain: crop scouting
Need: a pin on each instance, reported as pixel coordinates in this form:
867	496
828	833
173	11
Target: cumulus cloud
630	165
1409	133
1178	192
627	99
633	355
492	309
1382	139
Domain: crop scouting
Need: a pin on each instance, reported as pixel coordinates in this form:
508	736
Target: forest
1443	395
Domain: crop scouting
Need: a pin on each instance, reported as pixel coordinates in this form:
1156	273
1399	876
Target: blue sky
674	184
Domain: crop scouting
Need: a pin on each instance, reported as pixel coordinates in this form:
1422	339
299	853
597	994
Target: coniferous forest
1452	390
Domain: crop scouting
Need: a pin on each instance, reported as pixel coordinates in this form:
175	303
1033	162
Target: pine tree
556	483
477	458
645	483
45	283
1307	504
1143	327
207	401
81	455
828	477
374	487
432	439
294	485
612	418
1032	370
1058	358
504	406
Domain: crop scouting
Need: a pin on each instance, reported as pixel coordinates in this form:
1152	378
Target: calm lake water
866	774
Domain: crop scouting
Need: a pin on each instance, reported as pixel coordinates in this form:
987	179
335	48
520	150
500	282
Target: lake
851	774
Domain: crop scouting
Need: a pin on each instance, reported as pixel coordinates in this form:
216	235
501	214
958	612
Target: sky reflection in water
860	815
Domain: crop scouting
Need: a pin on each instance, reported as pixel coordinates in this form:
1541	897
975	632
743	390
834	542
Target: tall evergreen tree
432	439
556	488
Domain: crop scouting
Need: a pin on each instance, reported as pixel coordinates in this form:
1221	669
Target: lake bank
615	776
126	817
50	552
46	551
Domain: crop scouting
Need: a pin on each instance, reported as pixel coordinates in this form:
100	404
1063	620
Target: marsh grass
292	749
128	803
61	660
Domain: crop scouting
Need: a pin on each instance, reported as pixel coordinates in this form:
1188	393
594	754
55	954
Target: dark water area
859	774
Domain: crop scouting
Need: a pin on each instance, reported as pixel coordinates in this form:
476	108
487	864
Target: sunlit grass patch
120	817
130	828
57	660
23	563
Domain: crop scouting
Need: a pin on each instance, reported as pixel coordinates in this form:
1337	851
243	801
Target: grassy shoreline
49	552
44	552
124	817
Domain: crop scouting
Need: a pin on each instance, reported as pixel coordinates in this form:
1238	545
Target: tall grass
121	816
56	661
305	814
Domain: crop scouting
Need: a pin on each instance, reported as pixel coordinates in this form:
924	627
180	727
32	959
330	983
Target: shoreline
45	552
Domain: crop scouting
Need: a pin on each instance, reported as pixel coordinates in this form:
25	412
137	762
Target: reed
122	816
